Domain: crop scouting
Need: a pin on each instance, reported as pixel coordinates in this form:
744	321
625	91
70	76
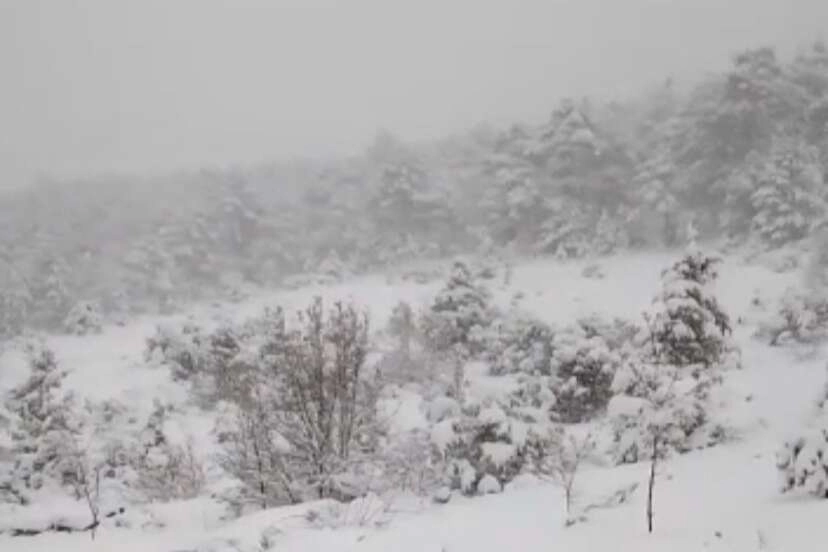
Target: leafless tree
86	480
563	464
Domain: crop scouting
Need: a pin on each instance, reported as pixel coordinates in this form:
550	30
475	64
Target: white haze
103	85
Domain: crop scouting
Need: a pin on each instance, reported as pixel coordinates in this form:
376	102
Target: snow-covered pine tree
569	142
238	216
659	406
409	206
50	288
656	203
610	234
514	202
15	305
810	69
689	327
568	230
457	316
403	326
42	432
787	196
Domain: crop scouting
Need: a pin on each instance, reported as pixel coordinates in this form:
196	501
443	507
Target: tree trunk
458	377
651	485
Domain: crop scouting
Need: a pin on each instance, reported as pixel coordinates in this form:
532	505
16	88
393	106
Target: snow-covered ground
721	499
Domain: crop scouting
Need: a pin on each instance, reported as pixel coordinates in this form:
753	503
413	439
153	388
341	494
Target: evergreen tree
656	202
659	408
458	315
569	144
810	69
409	205
689	326
42	431
403	326
515	202
610	234
583	367
568	230
787	196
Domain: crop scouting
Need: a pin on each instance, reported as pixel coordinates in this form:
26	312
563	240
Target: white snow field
724	498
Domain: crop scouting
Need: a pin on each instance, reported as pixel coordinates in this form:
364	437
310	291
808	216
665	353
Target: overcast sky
146	85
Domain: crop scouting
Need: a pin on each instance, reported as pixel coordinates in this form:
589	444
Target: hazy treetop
155	85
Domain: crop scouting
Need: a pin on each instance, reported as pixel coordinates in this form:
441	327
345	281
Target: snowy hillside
724	498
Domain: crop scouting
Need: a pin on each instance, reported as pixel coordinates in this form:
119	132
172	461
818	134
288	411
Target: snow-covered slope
725	498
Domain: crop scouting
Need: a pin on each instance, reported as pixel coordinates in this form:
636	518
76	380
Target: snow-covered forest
738	157
601	330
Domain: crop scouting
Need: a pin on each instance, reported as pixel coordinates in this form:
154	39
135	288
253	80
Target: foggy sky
137	85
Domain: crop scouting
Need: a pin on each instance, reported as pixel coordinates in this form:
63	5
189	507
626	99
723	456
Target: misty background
157	154
97	86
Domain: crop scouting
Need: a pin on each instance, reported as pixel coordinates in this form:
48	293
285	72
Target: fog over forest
97	86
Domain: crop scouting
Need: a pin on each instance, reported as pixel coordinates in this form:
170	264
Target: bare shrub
310	427
255	455
173	473
165	471
561	463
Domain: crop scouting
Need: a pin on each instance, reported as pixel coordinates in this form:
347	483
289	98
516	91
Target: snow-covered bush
583	366
84	318
620	335
218	365
567	375
593	272
182	349
803	461
519	343
485	443
458	316
406	463
689	327
800	318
